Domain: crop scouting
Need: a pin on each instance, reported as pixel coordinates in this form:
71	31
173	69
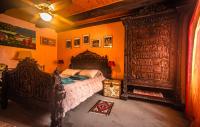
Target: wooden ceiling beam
89	24
124	5
10	4
116	18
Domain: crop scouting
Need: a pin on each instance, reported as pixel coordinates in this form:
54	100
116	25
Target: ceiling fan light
46	16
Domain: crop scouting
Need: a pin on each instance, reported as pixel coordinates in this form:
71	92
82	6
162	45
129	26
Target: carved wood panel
151	50
91	60
28	85
29	82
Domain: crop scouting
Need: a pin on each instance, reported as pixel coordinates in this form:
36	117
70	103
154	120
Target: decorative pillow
79	77
69	72
89	73
99	73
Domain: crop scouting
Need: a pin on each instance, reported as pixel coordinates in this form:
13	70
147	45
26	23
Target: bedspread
79	91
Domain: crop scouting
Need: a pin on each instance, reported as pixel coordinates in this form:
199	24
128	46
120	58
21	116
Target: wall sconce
111	63
115	67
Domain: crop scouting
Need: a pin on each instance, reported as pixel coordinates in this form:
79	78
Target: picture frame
108	41
96	43
68	44
22	38
76	42
86	39
47	41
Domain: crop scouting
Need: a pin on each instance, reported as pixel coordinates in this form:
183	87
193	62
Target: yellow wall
116	53
45	55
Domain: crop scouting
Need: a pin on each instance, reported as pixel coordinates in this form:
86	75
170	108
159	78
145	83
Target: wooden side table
112	88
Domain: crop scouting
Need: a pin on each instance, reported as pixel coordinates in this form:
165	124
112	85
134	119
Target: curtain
193	69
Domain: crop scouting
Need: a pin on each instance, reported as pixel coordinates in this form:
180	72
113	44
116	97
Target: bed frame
29	86
90	60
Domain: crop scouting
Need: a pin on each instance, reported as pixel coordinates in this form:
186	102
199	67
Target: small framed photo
76	42
69	44
108	42
96	43
86	39
47	41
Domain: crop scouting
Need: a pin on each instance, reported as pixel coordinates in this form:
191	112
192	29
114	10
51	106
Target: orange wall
116	53
45	55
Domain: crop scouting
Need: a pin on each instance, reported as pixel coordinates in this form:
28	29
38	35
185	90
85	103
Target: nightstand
112	88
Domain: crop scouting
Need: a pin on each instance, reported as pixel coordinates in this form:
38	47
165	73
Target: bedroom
87	28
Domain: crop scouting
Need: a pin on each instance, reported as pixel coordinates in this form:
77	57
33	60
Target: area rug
102	107
5	124
148	93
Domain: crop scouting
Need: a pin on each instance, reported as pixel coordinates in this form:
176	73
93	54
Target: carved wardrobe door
150	52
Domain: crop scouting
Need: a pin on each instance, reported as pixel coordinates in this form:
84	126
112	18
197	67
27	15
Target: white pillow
89	73
69	72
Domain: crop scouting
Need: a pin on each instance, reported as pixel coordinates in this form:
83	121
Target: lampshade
23	54
46	16
60	61
111	63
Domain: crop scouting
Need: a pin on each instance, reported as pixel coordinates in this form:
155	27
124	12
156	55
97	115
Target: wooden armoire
151	54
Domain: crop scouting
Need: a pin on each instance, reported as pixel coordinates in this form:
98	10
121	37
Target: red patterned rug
103	107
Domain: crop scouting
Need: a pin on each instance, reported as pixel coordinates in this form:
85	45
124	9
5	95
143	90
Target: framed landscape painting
47	41
15	36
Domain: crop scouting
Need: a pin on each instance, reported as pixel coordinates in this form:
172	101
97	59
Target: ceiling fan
48	9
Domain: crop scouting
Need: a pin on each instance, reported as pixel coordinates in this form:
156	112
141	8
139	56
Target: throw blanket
72	79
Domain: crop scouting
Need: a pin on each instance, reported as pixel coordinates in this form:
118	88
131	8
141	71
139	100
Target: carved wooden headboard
27	84
90	60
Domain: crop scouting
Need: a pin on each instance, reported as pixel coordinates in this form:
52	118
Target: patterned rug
148	93
102	107
5	124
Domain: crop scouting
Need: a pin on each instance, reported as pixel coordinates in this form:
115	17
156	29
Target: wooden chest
112	88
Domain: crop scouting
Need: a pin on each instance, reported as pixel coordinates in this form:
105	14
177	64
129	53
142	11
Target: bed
29	86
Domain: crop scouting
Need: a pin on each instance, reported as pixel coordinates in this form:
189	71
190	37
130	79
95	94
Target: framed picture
86	39
69	44
76	42
96	43
108	42
47	41
15	36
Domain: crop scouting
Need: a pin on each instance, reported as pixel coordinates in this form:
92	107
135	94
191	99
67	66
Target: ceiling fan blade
62	19
28	2
35	18
61	4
